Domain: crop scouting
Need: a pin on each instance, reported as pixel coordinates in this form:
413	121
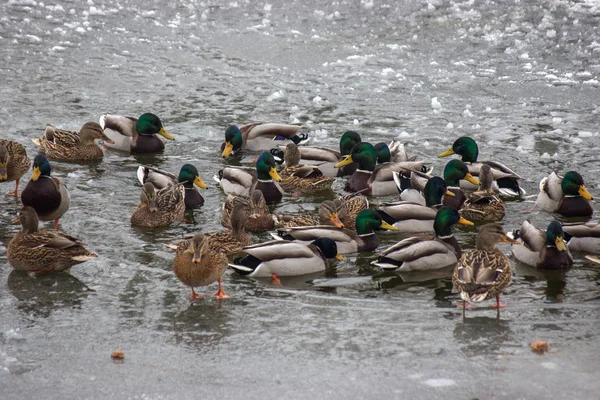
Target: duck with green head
188	177
135	135
567	196
71	146
393	152
371	179
506	180
47	195
414	217
242	181
13	163
454	171
259	136
348	241
542	249
420	253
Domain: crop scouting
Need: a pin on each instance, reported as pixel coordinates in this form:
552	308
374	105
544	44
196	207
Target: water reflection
556	281
40	295
482	335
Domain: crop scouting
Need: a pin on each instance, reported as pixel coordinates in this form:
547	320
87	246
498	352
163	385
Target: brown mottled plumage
328	215
13	163
159	208
483	204
303	178
41	250
260	219
63	145
232	241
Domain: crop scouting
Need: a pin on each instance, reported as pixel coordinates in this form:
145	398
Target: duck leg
42	271
220	293
16	192
276	280
56	224
498	305
195	296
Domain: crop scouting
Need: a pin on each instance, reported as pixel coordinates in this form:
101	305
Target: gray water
520	78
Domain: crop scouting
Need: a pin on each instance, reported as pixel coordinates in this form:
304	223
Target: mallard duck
285	258
485	272
259	136
135	135
242	181
71	146
419	253
302	178
41	250
546	250
350	205
232	241
188	177
329	214
160	208
583	236
369	178
506	179
414	217
260	219
483	204
364	239
13	163
196	264
567	196
48	196
393	152
454	171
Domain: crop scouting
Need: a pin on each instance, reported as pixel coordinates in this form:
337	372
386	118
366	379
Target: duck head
233	140
149	124
465	147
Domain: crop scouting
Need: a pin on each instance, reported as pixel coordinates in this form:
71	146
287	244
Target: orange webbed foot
276	280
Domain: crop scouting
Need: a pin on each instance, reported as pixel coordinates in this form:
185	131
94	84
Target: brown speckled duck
13	163
159	208
71	146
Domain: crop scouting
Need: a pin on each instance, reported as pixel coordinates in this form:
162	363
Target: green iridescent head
383	153
149	124
41	167
572	185
555	236
463	146
188	175
362	153
368	221
445	218
233	140
348	140
328	247
454	171
265	167
434	191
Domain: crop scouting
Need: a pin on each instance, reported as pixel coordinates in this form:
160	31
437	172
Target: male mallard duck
483	204
419	253
370	178
394	152
242	181
583	236
13	163
546	250
196	264
303	178
506	178
329	214
484	272
286	258
48	196
41	250
414	217
232	241
567	196
260	219
259	136
454	171
364	239
188	177
71	146
159	208
135	135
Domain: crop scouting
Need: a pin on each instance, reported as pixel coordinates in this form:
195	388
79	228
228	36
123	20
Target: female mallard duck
329	214
71	146
160	208
326	158
370	178
583	236
47	195
414	217
188	177
567	196
13	163
196	264
242	181
41	250
419	253
454	171
505	178
285	258
260	219
485	272
232	241
483	204
259	136
364	239
350	205
135	135
303	178
546	250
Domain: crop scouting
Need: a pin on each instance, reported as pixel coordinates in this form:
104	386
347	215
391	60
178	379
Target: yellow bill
472	179
387	226
274	174
560	244
465	221
339	257
227	150
165	134
584	193
449	193
448	152
347	160
36	174
200	183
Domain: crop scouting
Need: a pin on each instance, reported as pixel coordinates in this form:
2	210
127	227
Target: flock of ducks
469	191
